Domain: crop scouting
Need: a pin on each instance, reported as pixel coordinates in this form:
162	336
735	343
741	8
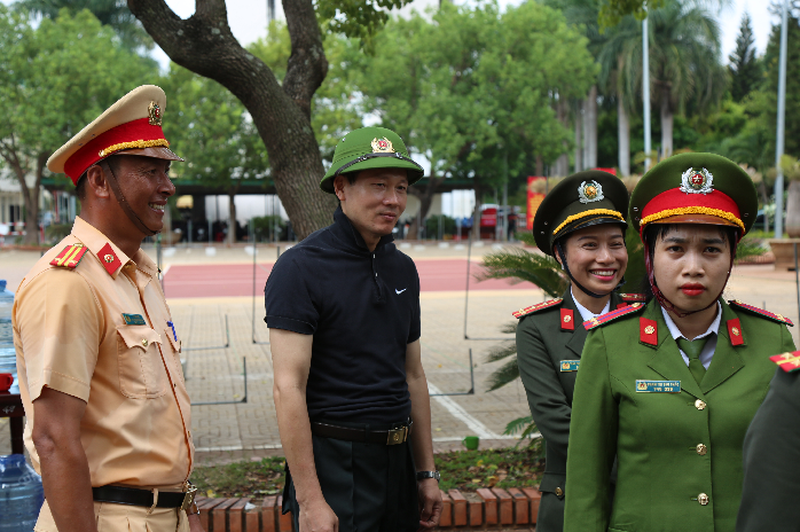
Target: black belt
394	436
141	497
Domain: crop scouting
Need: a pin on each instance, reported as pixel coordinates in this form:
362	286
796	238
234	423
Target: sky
248	19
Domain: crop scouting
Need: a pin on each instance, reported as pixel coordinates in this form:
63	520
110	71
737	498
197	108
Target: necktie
692	348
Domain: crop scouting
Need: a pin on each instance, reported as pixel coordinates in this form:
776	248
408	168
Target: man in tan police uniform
108	414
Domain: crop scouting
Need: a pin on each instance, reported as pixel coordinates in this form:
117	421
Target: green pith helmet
580	200
370	147
700	188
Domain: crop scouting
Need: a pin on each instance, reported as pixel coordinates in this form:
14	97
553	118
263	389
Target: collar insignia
383	145
695	181
154	112
590	192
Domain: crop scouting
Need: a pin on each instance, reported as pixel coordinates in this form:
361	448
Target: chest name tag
568	366
133	319
647	386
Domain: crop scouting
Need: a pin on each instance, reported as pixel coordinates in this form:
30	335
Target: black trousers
370	487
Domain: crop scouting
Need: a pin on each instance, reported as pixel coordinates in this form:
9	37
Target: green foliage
432	225
210	128
267	228
112	13
360	19
474	89
745	68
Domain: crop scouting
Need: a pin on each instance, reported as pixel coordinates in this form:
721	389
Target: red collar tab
109	259
761	312
567	320
735	332
788	362
610	316
536	308
648	331
70	256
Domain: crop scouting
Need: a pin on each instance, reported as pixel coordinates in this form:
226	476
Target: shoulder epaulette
788	362
70	256
761	312
611	316
536	308
633	298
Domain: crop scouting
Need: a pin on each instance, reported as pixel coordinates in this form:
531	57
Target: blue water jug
21	494
8	358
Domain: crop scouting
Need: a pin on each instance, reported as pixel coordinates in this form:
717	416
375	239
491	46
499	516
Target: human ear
338	187
96	181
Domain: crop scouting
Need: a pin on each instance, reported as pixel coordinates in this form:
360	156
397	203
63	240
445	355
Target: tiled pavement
235	430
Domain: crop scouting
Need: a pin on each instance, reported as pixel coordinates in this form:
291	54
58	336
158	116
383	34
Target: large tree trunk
792	225
590	129
232	226
666	124
30	194
205	45
623	139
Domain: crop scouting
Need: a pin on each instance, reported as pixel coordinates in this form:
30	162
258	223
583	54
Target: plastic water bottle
21	494
8	357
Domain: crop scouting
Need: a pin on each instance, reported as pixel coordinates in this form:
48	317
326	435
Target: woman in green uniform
670	387
581	223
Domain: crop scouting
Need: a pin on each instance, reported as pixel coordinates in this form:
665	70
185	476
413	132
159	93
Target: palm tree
684	64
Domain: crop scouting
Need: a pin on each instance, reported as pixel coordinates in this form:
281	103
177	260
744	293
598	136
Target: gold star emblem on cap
383	145
154	113
590	192
695	181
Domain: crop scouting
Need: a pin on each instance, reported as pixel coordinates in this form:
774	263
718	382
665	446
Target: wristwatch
422	475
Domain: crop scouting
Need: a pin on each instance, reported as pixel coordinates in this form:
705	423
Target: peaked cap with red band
701	188
131	126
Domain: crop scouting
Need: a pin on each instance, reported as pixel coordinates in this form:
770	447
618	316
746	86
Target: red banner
534	199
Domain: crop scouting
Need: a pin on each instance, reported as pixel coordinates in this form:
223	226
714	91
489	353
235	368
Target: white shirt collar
587	314
711	345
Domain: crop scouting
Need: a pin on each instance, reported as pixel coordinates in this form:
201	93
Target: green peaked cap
581	200
370	147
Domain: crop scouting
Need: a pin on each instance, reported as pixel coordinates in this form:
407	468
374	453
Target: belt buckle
397	436
188	497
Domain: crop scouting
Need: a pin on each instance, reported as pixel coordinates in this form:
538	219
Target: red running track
225	280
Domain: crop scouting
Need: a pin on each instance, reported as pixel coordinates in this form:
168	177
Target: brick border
488	508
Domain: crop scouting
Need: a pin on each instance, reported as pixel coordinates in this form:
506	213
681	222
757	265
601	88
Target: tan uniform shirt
76	331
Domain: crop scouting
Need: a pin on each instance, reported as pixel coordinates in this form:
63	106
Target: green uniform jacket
542	345
679	454
772	461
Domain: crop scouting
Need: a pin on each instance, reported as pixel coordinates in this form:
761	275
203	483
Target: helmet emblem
383	145
154	111
590	192
695	181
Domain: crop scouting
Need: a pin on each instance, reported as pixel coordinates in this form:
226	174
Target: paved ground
220	332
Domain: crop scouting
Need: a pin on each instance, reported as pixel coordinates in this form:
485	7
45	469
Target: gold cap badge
383	145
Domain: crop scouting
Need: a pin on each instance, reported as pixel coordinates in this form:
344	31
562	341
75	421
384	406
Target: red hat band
134	134
675	202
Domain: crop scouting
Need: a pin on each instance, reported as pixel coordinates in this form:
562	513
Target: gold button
144	342
702	449
702	499
559	492
700	404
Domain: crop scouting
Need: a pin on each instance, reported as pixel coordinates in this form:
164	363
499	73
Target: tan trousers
112	517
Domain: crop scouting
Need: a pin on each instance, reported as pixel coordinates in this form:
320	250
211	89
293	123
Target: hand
318	517
194	523
430	501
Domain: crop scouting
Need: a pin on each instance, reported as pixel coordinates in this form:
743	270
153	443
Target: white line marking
477	428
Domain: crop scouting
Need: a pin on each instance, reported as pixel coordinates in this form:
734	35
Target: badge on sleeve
70	256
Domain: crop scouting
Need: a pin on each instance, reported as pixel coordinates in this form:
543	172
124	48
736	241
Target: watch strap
422	475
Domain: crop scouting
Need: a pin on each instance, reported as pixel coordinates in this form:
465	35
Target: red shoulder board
633	298
70	256
536	308
761	312
611	316
787	361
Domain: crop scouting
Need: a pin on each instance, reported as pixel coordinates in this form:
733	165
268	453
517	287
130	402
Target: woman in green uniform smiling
581	223
670	387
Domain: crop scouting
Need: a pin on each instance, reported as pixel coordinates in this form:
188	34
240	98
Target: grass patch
464	470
